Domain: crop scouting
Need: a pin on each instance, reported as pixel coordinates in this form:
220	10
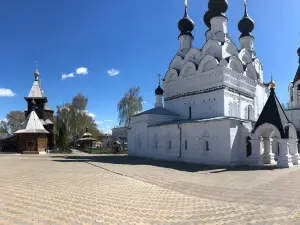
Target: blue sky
138	38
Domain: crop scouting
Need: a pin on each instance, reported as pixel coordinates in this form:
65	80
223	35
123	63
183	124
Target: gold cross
185	3
245	2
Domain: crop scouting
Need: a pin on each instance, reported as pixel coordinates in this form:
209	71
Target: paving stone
84	189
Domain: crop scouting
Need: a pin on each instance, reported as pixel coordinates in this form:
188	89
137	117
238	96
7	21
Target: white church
214	107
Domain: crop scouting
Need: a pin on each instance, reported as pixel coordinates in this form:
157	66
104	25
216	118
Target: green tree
129	105
3	127
76	118
14	120
63	138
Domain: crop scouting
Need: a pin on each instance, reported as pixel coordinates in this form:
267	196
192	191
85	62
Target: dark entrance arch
248	147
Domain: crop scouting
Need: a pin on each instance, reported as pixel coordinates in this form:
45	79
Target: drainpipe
178	124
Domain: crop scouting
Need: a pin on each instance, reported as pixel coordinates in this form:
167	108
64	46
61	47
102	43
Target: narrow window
249	112
190	112
248	147
156	144
170	144
206	146
185	144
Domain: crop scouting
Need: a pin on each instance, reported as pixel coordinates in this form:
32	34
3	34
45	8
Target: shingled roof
47	107
273	113
157	111
35	91
32	125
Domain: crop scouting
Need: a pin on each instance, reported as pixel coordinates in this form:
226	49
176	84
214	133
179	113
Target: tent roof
273	113
32	125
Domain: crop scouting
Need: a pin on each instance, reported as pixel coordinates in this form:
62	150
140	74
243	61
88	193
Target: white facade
216	141
212	97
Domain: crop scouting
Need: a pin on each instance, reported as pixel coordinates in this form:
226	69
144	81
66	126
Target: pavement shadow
129	160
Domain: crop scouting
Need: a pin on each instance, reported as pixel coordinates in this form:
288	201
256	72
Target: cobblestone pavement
83	189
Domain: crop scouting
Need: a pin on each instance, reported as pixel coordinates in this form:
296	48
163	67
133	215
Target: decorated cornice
207	90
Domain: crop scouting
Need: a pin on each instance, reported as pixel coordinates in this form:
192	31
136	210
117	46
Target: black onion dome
246	24
218	6
186	24
207	18
159	91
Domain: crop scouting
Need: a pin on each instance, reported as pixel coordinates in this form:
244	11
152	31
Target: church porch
269	147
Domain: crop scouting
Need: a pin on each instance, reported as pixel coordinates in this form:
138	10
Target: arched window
298	91
190	112
248	147
170	144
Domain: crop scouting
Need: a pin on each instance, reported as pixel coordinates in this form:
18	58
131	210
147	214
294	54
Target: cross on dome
159	90
186	24
246	24
159	75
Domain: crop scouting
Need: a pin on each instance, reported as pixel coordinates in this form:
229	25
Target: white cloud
6	92
113	72
82	71
99	122
66	76
92	115
106	129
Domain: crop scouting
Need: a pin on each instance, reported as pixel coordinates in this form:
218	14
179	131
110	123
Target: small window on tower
206	146
170	144
190	112
185	144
